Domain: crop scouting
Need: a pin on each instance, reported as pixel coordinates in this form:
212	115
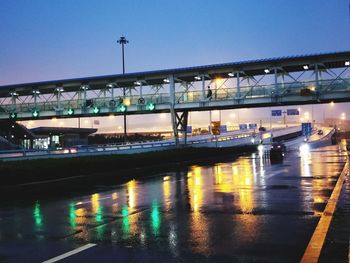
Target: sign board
189	129
223	128
276	113
306	128
292	112
252	126
243	127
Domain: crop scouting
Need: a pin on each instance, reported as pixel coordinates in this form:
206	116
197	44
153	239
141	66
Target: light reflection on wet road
245	209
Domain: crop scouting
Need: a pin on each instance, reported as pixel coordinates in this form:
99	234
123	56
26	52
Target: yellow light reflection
194	184
131	187
166	192
115	205
80	223
95	202
199	233
242	184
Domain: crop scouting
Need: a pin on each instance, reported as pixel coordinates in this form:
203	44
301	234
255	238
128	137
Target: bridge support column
59	91
179	123
203	88
35	95
238	94
276	95
277	90
112	92
317	86
172	109
173	124
141	89
13	99
84	89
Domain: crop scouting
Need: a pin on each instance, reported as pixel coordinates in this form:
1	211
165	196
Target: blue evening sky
57	39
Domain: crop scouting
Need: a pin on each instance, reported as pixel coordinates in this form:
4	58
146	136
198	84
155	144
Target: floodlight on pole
123	41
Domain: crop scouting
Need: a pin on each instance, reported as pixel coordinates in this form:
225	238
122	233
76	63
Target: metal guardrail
75	151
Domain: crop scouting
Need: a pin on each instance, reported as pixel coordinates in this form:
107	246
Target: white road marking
70	253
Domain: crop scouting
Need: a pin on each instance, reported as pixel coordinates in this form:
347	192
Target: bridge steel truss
293	80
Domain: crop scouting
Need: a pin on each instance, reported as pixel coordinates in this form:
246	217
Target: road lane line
313	250
70	253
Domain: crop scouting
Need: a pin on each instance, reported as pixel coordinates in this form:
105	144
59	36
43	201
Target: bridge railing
246	92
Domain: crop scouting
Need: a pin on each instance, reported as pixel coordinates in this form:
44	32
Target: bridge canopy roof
250	67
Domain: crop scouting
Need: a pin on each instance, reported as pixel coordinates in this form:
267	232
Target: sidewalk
337	246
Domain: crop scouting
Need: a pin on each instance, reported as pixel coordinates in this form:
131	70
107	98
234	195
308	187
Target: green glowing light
151	106
35	113
122	108
99	215
126	223
155	218
37	215
13	115
72	215
95	110
70	111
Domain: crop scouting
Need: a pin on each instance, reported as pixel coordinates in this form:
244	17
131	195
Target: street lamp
123	41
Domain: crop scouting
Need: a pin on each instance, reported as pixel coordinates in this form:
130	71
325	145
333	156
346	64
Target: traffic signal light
151	106
35	113
122	108
95	110
70	111
13	115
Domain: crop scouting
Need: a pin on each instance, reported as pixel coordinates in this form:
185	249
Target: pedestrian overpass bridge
290	80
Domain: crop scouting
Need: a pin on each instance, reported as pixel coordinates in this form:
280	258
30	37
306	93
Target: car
85	148
278	146
320	132
262	129
70	150
277	151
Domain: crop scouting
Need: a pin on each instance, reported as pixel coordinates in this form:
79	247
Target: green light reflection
99	215
37	215
126	223
155	218
72	215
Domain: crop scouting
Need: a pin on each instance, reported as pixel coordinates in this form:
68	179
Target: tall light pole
123	41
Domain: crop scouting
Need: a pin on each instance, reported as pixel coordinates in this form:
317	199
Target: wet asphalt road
246	210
